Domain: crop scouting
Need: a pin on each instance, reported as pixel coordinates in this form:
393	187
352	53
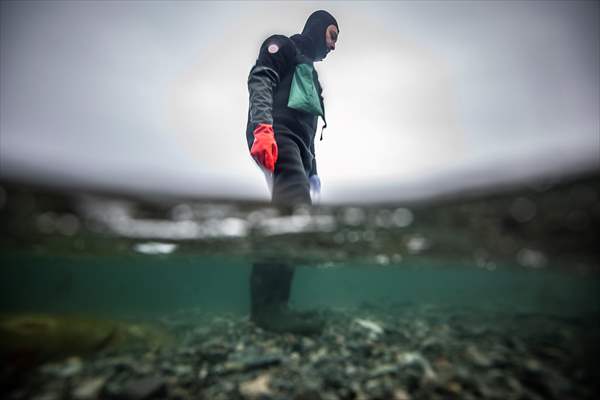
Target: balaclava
315	28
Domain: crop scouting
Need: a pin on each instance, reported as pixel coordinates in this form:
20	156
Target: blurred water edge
533	246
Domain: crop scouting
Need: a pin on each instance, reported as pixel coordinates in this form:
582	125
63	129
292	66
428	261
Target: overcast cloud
152	95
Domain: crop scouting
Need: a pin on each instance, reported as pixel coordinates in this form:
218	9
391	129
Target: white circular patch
273	48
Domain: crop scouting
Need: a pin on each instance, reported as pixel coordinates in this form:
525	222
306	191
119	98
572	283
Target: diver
285	103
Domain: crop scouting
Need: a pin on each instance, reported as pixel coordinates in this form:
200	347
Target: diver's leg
270	282
290	179
270	286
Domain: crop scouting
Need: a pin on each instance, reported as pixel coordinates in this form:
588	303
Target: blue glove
315	188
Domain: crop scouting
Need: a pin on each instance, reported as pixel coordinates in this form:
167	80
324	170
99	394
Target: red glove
264	148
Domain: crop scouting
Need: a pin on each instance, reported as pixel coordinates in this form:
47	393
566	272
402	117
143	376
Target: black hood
315	28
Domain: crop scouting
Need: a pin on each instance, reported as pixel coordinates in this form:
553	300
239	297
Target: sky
421	97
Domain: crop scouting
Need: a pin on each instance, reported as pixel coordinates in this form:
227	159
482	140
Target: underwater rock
382	370
400	394
143	388
203	373
182	370
48	396
215	350
249	363
89	389
69	368
31	339
416	369
432	346
374	329
477	357
256	388
318	355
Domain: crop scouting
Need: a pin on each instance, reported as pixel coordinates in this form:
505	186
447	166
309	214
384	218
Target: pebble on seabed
256	388
89	389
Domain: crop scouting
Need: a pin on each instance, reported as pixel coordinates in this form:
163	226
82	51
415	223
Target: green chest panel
303	93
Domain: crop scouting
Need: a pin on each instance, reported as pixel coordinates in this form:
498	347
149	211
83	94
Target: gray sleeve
261	83
275	59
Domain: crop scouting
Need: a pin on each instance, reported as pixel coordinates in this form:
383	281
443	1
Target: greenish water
519	263
147	285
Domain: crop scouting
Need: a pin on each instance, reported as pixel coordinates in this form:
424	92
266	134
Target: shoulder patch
273	48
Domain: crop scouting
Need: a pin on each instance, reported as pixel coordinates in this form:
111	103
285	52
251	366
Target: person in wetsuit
285	103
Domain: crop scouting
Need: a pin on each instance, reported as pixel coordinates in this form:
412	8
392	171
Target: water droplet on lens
402	217
490	266
481	258
46	222
397	258
154	248
182	212
302	210
339	238
522	210
382	259
417	244
256	217
353	236
67	224
353	216
233	227
368	235
531	258
383	218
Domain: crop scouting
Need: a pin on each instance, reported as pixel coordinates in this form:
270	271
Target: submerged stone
256	388
30	339
89	389
144	388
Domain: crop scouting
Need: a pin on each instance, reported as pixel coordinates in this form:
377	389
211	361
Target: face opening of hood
315	28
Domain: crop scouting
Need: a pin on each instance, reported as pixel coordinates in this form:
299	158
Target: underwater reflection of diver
285	103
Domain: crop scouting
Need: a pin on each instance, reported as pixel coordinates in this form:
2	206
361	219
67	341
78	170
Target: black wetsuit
269	86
